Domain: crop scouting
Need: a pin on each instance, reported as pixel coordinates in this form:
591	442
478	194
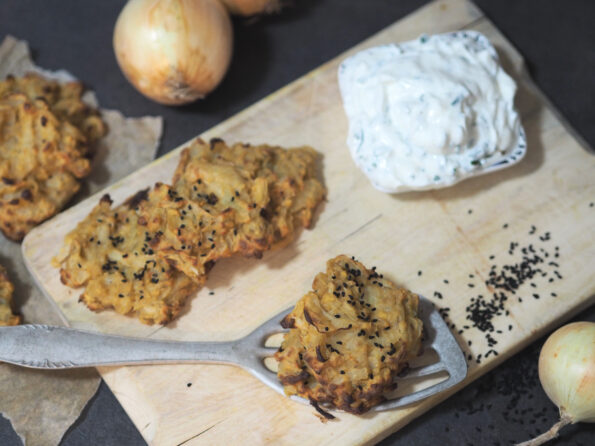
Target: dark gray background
558	41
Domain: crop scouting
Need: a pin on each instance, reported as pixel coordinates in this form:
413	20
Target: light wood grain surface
446	234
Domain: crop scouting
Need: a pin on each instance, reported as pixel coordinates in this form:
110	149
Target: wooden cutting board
441	244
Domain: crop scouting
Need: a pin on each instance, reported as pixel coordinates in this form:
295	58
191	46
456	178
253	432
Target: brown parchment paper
42	405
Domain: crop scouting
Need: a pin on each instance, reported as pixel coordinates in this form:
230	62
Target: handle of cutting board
51	347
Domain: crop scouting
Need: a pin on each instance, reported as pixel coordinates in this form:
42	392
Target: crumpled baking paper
43	404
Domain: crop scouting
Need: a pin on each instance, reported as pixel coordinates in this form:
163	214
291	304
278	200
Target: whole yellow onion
173	51
567	370
567	374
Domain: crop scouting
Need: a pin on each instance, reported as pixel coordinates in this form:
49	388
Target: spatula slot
429	356
274	340
271	364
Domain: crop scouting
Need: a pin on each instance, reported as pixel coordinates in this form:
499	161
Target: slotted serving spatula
52	347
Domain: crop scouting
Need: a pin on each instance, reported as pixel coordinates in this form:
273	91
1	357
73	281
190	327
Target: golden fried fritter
348	338
45	134
224	201
228	200
6	290
245	199
41	159
110	254
231	200
64	101
183	234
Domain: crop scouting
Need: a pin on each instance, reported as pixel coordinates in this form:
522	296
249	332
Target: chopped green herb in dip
430	112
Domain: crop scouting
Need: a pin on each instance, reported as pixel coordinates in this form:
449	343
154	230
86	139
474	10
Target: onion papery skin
173	51
567	370
252	7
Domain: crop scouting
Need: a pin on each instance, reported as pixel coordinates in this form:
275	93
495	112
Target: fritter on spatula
348	338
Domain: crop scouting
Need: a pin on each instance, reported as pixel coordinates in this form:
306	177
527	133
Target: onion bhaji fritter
265	191
223	201
64	100
44	146
41	160
245	199
349	338
6	290
110	254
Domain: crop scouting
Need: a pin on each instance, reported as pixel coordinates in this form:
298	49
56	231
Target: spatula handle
51	347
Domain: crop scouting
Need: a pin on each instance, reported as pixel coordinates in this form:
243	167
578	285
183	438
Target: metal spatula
51	347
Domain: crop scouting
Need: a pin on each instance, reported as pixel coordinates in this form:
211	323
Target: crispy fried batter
348	338
267	190
41	159
6	290
246	199
186	227
64	100
110	254
186	235
45	132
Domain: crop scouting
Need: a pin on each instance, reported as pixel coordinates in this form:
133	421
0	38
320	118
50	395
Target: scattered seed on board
527	268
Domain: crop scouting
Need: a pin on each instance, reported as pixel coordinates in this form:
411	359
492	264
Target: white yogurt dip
430	112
